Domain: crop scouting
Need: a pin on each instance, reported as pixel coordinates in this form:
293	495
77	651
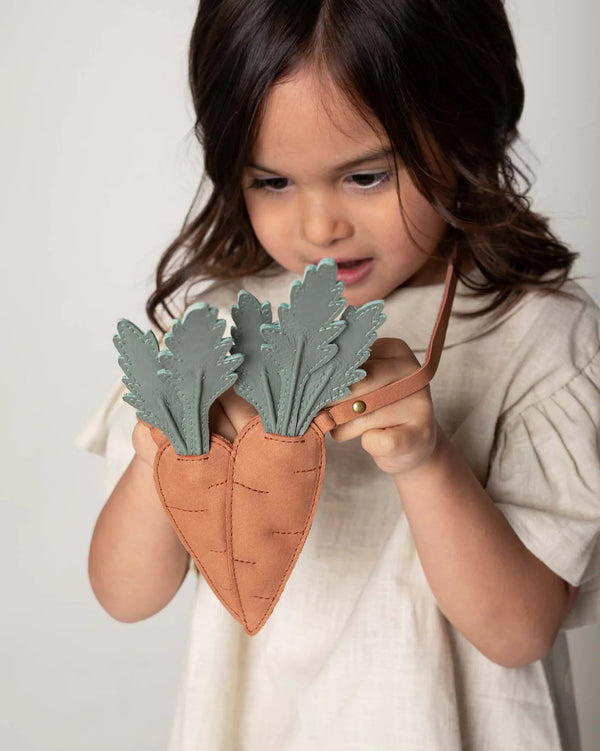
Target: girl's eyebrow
368	156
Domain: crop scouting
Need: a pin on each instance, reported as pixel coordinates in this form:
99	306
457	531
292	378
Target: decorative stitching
295	552
192	457
198	562
254	490
190	510
284	439
232	451
255	422
277	532
294	557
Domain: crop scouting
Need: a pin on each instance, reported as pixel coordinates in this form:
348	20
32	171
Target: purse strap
337	414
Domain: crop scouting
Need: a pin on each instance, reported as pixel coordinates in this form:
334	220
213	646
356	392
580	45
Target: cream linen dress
357	656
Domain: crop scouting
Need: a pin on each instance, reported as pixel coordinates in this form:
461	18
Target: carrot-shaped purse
244	509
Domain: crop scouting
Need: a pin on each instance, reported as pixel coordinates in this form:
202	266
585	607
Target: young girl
455	539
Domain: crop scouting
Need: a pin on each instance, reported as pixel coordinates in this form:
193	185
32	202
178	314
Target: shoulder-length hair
447	70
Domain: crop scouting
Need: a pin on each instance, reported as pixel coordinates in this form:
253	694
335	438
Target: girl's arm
136	561
502	598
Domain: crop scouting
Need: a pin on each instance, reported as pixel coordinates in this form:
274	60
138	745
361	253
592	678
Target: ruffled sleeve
545	478
107	432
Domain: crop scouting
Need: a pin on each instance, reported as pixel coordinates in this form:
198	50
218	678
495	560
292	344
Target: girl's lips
356	273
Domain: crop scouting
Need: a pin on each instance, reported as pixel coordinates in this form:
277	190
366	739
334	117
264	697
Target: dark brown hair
446	69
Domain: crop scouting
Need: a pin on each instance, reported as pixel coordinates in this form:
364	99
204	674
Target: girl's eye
380	177
272	184
367	181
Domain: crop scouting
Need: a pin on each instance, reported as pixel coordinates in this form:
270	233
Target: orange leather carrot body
243	511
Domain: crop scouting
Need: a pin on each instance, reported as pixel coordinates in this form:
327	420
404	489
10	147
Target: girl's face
313	190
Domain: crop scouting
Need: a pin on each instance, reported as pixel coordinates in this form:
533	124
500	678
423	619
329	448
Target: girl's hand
403	435
143	443
229	413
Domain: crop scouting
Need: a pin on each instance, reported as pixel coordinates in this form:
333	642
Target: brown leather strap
330	417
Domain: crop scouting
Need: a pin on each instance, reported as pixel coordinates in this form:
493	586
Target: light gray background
97	170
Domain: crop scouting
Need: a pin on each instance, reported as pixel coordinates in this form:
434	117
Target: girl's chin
357	298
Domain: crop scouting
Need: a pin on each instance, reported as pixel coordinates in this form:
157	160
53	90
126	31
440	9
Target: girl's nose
323	222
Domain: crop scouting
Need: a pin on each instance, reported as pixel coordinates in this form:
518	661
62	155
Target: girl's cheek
271	226
276	239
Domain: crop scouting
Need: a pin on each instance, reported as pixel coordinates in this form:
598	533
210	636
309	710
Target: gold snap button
359	406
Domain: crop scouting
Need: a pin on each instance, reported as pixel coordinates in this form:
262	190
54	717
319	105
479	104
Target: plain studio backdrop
99	166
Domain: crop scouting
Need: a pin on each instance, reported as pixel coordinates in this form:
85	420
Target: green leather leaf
306	359
300	342
342	371
288	370
258	383
155	401
198	368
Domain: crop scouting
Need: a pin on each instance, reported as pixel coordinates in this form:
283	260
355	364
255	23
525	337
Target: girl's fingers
238	411
389	361
219	422
389	346
143	443
412	410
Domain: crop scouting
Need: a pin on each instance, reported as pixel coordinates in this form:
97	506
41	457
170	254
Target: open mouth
348	264
351	264
352	272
